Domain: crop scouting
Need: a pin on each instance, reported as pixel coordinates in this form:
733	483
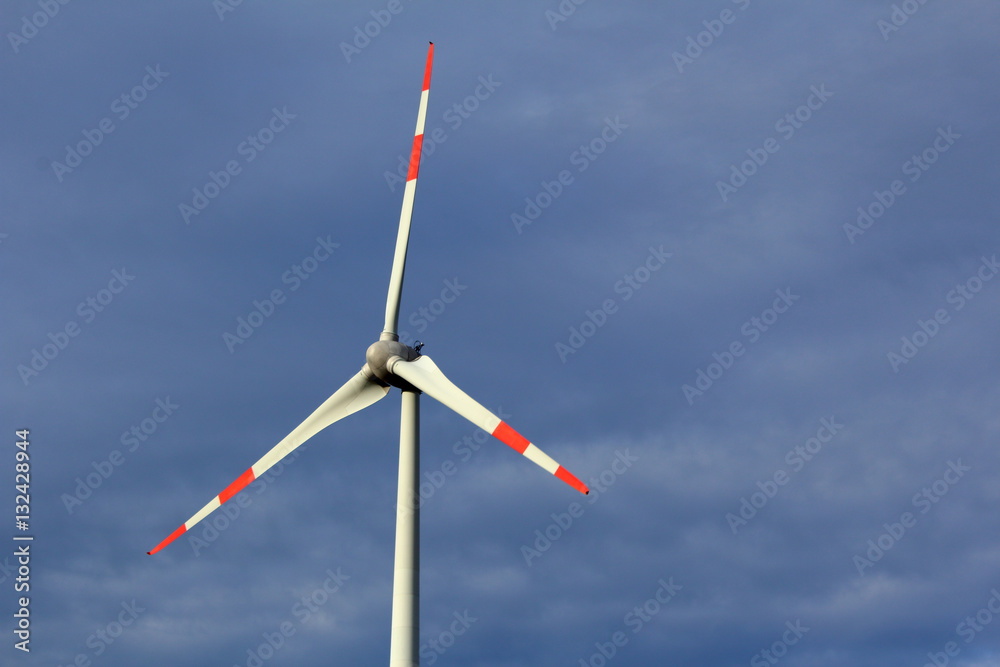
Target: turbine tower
390	363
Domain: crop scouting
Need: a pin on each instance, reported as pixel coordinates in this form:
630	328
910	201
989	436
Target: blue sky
731	263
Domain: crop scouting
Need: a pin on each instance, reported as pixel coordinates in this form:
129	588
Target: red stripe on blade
418	143
570	478
427	68
170	538
510	437
237	485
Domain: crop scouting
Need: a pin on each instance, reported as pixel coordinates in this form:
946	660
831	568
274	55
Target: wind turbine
390	363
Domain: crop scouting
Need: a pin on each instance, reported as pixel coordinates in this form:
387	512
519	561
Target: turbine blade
358	393
403	235
424	374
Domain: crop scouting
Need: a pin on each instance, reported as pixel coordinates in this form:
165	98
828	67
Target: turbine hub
378	354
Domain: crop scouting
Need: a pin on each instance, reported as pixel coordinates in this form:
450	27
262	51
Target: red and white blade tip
427	67
507	435
235	487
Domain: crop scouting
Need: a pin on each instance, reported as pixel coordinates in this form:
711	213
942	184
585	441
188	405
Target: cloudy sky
732	263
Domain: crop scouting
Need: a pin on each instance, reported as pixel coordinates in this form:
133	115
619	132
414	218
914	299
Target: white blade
424	374
358	393
403	235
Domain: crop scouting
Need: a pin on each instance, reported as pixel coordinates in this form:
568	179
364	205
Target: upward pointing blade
358	393
424	374
403	235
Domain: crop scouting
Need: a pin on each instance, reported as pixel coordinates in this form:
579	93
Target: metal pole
406	573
